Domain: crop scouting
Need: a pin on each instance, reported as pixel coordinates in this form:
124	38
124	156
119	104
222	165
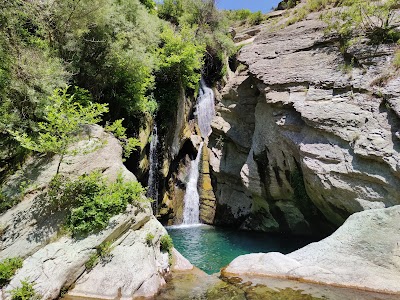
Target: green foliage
289	4
115	52
238	15
375	20
149	239
102	252
396	60
130	145
92	261
311	6
29	72
63	121
171	10
25	292
150	5
8	267
119	131
166	243
256	18
94	201
212	26
111	46
64	192
181	54
199	40
243	16
7	202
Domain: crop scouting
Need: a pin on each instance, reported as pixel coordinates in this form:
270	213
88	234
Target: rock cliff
304	135
57	262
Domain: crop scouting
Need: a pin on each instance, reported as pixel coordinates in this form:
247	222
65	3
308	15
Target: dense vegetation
244	16
374	20
354	19
130	55
8	267
92	201
25	292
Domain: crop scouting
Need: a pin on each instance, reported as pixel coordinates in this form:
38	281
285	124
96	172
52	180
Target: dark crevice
262	162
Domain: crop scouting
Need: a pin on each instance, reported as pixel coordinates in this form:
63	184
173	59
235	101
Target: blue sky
253	5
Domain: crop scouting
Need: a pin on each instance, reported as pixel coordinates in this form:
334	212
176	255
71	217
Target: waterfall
191	200
205	109
205	112
152	183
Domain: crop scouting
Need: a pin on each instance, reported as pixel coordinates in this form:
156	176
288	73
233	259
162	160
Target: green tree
111	48
29	72
171	10
64	118
182	55
149	4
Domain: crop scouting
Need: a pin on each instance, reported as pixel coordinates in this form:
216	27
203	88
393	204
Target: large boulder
135	268
54	262
363	253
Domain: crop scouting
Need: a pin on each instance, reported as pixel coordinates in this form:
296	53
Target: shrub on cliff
92	200
256	18
8	267
25	292
287	4
181	54
166	244
375	20
310	6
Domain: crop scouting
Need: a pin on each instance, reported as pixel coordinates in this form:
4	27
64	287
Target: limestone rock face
134	268
207	198
304	138
363	253
56	262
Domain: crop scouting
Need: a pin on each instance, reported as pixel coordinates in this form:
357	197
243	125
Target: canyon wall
304	135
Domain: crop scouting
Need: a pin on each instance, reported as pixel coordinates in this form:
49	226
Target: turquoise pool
210	248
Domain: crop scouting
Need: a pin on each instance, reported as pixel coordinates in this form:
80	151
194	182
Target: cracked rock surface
303	138
54	263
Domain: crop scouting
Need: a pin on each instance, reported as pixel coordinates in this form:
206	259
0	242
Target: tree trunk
59	163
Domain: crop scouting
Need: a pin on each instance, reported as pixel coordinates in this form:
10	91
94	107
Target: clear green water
210	248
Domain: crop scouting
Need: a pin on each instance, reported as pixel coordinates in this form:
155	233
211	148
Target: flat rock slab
134	268
60	263
363	253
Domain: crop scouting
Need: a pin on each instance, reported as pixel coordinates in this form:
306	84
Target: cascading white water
205	109
205	113
191	200
152	183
